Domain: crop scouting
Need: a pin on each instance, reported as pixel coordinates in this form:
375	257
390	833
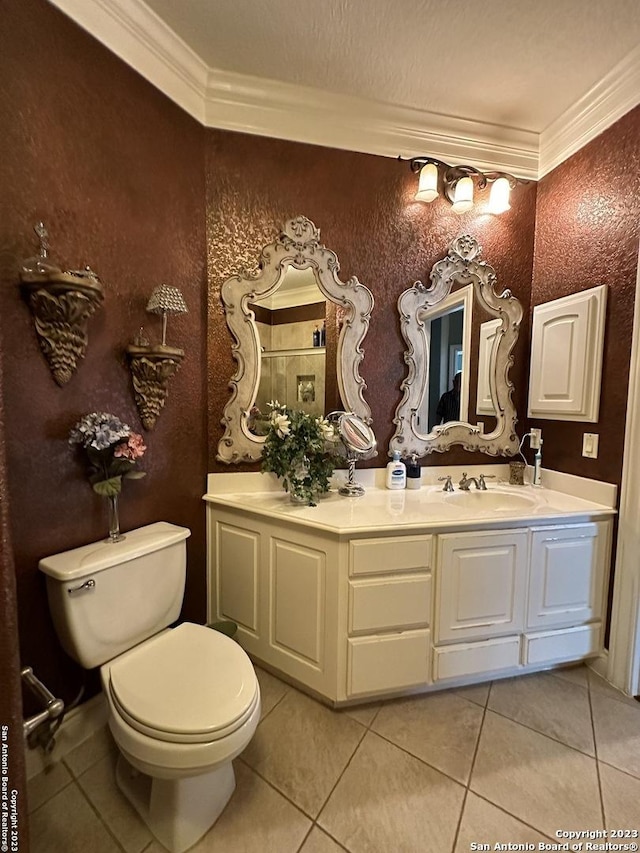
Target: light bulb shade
463	195
428	183
166	300
499	198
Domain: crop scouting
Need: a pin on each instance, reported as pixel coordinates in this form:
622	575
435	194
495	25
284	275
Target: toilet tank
107	597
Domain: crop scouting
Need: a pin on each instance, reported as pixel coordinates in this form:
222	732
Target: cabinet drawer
473	658
558	646
394	554
389	603
376	664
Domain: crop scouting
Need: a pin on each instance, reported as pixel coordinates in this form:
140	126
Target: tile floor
511	762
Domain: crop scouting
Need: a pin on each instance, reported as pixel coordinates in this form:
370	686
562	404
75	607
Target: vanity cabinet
389	614
536	597
356	617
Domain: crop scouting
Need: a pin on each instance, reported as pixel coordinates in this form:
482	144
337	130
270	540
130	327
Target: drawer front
384	664
389	603
558	646
474	658
394	554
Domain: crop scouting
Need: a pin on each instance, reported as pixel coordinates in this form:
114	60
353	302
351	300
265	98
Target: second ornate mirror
297	337
446	363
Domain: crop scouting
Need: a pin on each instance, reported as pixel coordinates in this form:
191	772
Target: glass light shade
499	198
463	195
428	183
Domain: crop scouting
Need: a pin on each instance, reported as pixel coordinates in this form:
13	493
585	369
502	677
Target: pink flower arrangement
112	450
133	448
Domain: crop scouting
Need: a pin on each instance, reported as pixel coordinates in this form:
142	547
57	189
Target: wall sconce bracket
151	369
61	304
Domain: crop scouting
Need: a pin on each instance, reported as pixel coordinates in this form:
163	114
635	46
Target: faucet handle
481	481
448	485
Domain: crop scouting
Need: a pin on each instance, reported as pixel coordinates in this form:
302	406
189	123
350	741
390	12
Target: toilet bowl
183	702
182	706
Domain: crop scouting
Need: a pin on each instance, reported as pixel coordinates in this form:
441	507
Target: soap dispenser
396	472
414	474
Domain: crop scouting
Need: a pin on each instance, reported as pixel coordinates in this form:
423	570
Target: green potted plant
301	449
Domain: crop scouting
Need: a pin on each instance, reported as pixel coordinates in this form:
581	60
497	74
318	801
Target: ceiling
449	78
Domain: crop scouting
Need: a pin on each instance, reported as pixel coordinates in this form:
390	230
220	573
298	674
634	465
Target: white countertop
427	509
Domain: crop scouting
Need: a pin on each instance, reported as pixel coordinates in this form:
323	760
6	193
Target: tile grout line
515	817
473	763
367	728
344	770
544	734
595	747
99	816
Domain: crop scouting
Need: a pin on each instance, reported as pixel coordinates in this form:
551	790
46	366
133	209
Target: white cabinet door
481	584
566	357
568	567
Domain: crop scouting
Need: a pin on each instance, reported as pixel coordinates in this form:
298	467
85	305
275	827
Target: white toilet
183	702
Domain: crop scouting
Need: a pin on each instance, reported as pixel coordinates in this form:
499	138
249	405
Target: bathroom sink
491	500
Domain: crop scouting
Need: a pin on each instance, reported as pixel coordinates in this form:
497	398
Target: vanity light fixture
457	184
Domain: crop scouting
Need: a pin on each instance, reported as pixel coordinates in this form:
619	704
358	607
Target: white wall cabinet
567	342
356	617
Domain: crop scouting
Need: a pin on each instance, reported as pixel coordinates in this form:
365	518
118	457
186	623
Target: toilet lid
188	684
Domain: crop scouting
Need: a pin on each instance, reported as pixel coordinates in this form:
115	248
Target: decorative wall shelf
151	369
61	304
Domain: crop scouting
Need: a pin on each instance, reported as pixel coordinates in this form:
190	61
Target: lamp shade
166	300
428	183
463	195
499	198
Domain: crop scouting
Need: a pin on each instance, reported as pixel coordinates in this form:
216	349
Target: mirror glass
291	325
448	332
460	335
297	334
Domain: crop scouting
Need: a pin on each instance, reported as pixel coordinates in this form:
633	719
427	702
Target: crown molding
131	30
606	102
246	104
263	107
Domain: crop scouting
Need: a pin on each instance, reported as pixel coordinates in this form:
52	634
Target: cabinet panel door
297	601
237	558
376	664
566	356
481	585
567	574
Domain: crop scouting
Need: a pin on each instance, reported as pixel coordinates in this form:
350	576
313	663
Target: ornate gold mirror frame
461	265
297	246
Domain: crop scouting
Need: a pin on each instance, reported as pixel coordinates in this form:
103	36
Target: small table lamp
166	300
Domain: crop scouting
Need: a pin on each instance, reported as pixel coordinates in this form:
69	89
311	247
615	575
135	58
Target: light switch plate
590	445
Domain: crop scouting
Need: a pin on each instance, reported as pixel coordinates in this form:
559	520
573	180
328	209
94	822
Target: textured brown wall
10	692
587	233
364	208
117	173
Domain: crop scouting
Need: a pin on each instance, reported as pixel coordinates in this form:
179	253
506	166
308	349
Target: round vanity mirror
359	441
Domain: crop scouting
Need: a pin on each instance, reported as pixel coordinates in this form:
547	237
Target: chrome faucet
465	482
448	484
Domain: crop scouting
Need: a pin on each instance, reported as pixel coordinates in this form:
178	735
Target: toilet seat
187	685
